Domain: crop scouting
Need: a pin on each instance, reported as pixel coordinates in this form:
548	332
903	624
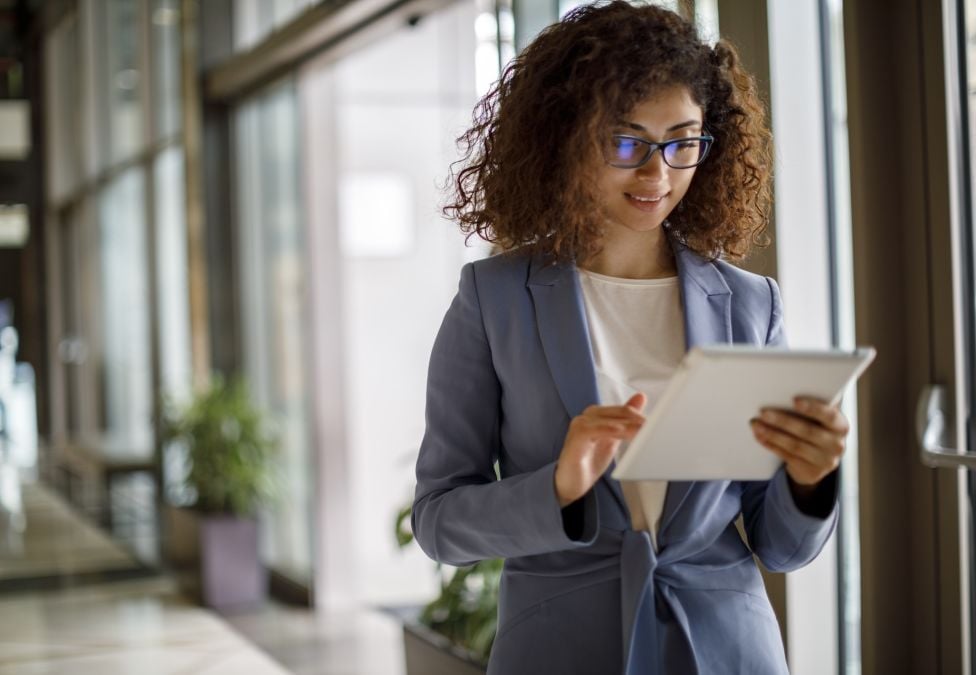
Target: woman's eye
624	146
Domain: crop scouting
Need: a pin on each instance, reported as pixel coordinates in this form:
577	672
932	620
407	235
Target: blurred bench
87	470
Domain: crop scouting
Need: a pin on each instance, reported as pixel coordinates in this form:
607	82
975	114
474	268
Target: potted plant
230	451
453	633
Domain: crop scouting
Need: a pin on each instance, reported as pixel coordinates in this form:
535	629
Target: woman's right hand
591	444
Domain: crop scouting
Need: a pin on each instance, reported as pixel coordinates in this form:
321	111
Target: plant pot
181	547
231	573
214	558
181	537
430	653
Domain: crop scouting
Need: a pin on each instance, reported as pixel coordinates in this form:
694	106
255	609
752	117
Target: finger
819	410
637	401
630	417
617	410
813	462
801	427
624	414
588	425
793	446
596	429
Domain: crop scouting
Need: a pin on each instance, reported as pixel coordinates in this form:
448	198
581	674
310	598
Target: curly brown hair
523	180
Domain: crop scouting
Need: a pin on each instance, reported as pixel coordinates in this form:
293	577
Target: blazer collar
705	296
561	316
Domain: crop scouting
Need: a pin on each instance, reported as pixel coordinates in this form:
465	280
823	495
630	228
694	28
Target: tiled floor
352	642
145	626
142	627
57	542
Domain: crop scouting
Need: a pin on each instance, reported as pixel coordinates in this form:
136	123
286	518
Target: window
126	373
63	90
122	75
413	91
272	256
255	19
165	28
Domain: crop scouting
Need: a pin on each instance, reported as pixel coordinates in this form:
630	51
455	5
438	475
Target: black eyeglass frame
707	139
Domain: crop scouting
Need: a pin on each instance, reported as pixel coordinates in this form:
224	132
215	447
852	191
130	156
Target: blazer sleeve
780	534
462	512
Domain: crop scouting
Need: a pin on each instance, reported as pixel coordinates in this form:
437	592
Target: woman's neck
634	255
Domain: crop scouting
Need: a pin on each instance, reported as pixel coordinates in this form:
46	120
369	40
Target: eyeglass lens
626	152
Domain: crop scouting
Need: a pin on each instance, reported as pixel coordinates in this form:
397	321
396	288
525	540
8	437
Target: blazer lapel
706	299
707	302
561	318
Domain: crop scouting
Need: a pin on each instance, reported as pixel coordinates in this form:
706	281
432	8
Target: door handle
933	424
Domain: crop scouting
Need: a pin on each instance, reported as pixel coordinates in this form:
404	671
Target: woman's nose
654	168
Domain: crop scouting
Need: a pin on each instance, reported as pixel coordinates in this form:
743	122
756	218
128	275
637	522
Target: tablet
699	428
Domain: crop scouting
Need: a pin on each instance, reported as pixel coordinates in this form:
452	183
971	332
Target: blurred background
222	267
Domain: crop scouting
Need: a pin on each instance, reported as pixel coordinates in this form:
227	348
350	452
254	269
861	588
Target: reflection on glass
123	76
374	215
172	301
706	20
248	19
255	19
125	358
494	33
273	308
968	258
396	287
165	27
71	343
848	529
172	270
63	92
80	286
486	51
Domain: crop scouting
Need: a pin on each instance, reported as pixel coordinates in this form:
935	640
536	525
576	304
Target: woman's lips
644	204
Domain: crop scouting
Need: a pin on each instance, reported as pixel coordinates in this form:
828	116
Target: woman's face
640	199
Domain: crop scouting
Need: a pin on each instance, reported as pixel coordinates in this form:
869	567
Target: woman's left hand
810	439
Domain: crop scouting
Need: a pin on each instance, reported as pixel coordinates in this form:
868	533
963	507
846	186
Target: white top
638	338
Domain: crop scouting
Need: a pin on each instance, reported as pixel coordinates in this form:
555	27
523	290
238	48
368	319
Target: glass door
387	264
965	305
944	422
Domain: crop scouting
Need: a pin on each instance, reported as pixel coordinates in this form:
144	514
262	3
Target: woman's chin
641	226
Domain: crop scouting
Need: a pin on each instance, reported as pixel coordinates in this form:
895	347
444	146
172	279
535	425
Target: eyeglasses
630	152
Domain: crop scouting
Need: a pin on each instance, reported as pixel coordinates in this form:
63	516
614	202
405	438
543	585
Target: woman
619	163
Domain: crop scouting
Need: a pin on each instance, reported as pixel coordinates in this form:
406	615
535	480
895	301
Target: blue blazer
581	591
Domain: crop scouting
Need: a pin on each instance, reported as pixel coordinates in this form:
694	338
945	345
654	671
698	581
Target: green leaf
231	448
403	533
